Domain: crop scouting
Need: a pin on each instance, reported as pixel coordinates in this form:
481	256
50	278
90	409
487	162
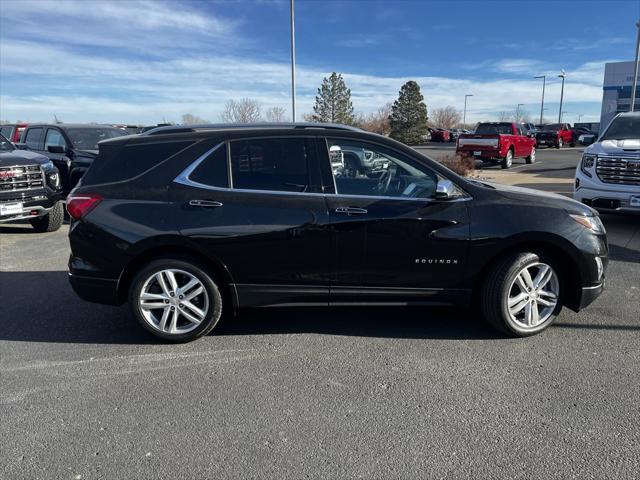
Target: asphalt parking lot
306	393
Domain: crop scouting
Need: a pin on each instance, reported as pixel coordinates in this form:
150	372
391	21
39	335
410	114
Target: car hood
540	198
21	157
615	146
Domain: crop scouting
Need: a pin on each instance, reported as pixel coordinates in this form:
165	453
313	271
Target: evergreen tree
408	119
333	102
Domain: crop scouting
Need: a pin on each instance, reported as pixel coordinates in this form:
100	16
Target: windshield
623	128
494	128
88	138
5	145
552	127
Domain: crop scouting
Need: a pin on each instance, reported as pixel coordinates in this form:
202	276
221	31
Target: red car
440	135
13	132
556	135
498	142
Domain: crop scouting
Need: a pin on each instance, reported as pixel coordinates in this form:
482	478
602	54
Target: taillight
79	205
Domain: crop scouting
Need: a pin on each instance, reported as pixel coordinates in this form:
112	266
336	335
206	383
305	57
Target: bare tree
189	119
447	117
377	122
275	114
504	116
245	110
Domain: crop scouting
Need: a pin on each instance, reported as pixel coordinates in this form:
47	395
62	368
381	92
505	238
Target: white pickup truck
608	176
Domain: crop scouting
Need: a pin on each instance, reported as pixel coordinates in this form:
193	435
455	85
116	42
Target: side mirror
445	190
56	149
20	146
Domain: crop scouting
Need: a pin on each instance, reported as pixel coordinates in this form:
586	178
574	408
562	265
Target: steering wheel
386	178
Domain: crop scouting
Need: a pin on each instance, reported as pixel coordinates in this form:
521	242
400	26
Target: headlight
587	163
48	166
592	223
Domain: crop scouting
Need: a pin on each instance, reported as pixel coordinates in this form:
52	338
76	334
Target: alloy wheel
533	295
173	301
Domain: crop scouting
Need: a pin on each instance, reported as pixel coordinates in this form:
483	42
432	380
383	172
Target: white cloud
154	64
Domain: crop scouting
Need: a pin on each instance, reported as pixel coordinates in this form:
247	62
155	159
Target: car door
394	241
254	205
54	137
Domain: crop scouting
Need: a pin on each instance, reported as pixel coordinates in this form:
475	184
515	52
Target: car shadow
43	308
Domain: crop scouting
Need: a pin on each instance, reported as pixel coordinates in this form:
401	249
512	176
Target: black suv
29	188
186	223
71	147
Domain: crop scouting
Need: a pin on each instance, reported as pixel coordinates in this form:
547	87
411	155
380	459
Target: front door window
369	170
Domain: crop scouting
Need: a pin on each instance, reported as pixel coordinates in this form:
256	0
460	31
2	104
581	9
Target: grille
623	170
15	179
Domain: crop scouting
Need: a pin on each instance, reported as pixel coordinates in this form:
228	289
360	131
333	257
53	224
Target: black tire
495	293
207	280
507	161
532	156
51	221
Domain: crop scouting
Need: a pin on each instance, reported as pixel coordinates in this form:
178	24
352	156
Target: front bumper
33	206
606	199
589	294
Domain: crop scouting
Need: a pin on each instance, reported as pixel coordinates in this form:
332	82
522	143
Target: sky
149	61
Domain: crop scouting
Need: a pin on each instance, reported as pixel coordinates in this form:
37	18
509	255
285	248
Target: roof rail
232	126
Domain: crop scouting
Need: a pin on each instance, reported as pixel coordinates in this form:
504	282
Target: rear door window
277	164
32	138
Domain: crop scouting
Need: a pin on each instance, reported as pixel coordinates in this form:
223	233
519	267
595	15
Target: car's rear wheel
507	161
175	300
50	222
522	294
532	156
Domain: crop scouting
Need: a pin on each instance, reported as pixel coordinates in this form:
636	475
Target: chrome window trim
183	179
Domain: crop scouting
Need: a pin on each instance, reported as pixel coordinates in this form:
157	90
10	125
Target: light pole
544	84
293	63
635	71
518	112
580	115
562	76
464	115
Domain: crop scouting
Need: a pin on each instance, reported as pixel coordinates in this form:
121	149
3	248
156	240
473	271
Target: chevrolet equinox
186	223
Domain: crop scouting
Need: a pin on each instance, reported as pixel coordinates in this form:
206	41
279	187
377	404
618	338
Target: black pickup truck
71	147
30	188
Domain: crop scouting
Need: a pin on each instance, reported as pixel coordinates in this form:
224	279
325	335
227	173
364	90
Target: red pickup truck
498	142
556	135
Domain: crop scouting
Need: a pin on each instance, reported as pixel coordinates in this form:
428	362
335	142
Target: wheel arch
562	252
185	251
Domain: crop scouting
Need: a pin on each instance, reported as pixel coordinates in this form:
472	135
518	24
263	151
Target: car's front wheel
522	294
175	300
50	222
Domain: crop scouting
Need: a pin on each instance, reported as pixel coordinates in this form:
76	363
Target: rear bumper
486	154
96	290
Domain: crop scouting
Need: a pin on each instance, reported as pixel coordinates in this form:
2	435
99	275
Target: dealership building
616	91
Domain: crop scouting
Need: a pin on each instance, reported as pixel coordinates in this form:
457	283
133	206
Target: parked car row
445	134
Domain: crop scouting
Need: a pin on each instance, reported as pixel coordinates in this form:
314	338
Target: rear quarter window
130	161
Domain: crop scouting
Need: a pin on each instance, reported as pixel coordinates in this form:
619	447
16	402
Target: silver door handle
351	211
205	203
